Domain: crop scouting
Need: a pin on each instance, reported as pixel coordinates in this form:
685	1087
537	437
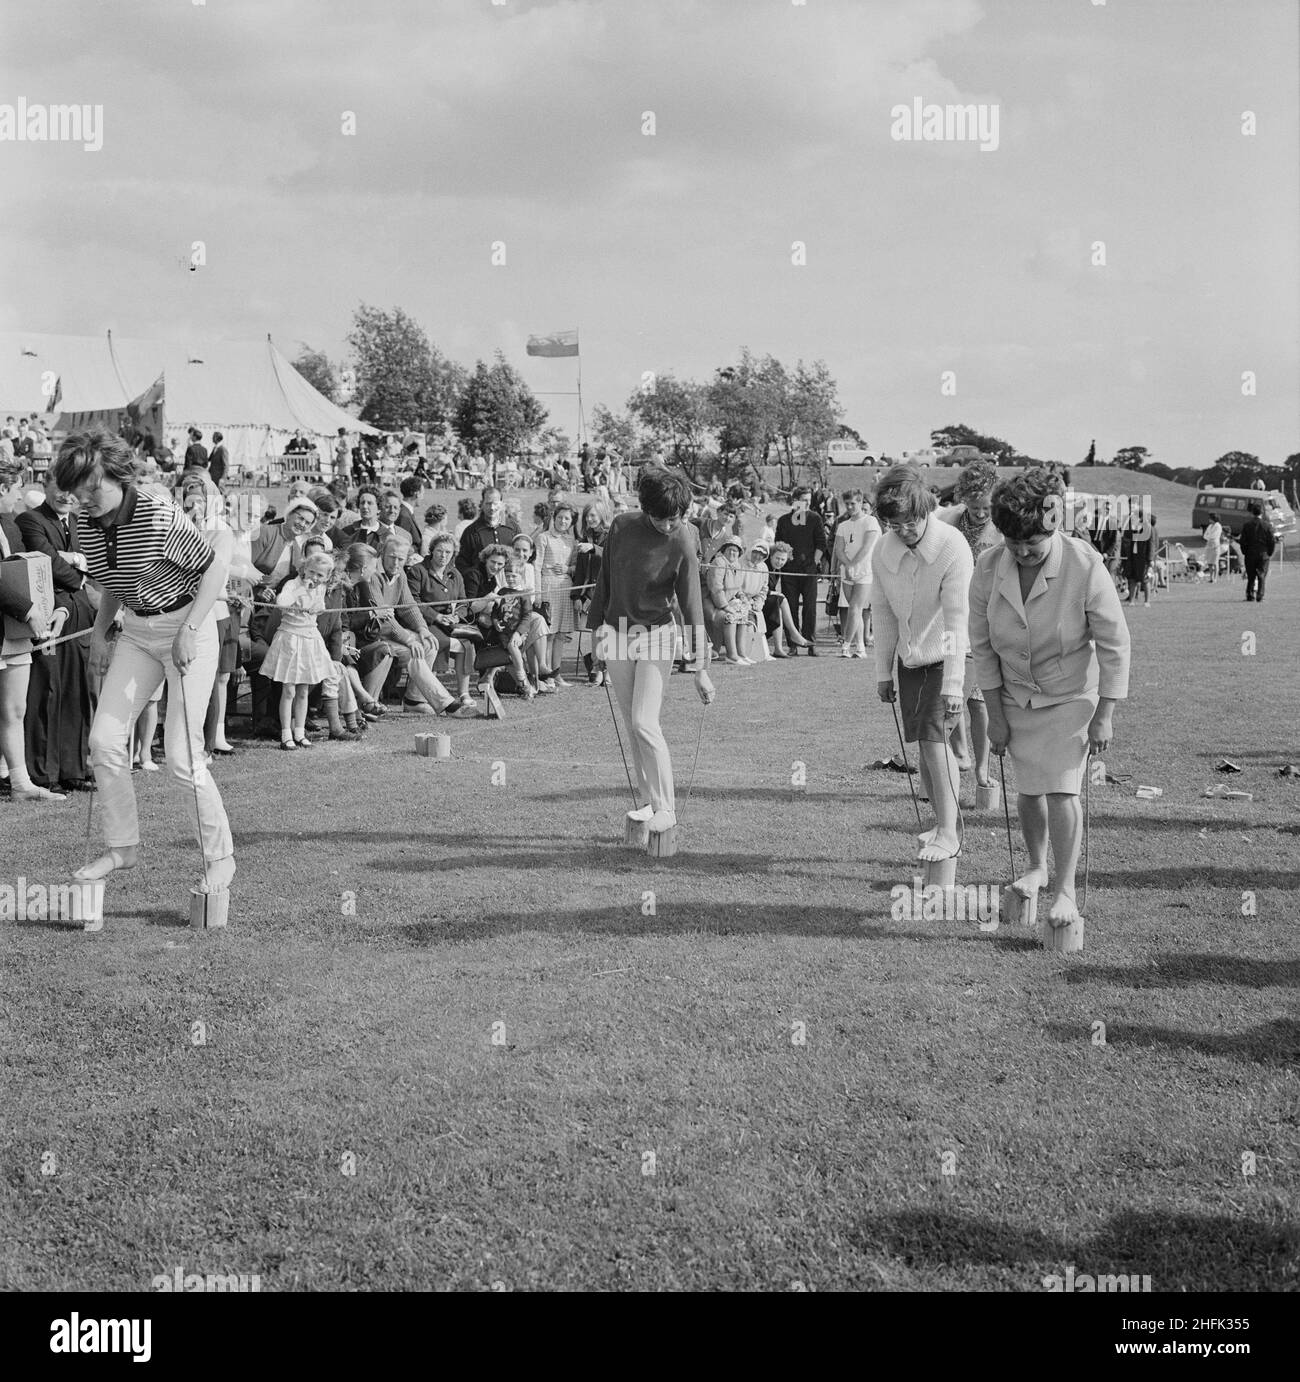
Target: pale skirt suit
1049	657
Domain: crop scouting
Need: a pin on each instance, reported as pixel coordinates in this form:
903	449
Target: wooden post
662	844
1019	907
940	873
636	833
988	798
209	911
1065	940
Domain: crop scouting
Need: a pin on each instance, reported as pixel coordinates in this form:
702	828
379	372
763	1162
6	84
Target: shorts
227	644
920	703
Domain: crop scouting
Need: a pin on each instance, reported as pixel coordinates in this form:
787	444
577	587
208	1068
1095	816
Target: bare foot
123	857
926	836
218	876
1030	884
1064	911
964	762
942	844
36	794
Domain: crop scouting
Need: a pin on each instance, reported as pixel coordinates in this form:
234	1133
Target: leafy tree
315	368
615	431
958	434
496	411
1131	457
677	415
1160	470
1235	469
402	380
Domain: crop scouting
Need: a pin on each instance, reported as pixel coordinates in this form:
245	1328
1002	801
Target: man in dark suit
805	533
59	704
219	459
411	488
1257	545
196	454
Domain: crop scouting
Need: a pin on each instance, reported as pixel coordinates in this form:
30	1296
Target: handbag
833	598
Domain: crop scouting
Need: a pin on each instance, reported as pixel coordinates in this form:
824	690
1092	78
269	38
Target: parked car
1231	508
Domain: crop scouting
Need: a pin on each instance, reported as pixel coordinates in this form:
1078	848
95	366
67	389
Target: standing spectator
466	513
856	536
1213	538
586	571
196	454
922	571
342	455
555	558
805	534
15	655
219	460
1137	551
276	546
491	528
59	702
1257	547
410	489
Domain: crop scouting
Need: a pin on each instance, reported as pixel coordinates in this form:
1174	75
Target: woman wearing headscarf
973	519
1052	658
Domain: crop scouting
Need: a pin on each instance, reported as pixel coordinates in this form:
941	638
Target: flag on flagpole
555	346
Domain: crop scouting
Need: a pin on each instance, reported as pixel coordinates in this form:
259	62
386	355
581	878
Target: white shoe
642	813
745	661
859	652
661	821
845	650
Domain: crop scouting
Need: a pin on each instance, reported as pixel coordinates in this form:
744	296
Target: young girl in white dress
298	657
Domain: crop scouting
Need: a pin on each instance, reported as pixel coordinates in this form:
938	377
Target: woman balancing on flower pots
1052	657
649	559
151	562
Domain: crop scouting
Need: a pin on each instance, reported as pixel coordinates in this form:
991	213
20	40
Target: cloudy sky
523	122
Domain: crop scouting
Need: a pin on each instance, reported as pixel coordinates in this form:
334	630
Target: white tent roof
223	384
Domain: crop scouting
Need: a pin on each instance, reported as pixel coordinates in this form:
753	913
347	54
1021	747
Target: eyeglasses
909	527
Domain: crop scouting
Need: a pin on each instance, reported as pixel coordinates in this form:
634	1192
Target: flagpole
582	417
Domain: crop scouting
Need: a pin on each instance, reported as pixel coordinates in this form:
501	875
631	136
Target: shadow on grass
1152	825
1197	875
1173	971
738	793
714	919
1271	1043
1177	1251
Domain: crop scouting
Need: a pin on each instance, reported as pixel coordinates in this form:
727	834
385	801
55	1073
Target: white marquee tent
247	390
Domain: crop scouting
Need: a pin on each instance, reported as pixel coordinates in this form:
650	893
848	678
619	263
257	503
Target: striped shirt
148	553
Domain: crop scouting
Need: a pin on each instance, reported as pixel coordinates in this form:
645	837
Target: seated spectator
777	617
505	616
435	522
275	548
402	627
524	552
368	529
439	590
730	601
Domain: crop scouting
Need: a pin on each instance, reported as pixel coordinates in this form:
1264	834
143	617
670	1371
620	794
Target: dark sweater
640	572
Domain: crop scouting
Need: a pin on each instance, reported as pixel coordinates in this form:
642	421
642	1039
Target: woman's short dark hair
1029	504
495	549
368	489
466	508
663	494
977	478
85	456
360	556
901	496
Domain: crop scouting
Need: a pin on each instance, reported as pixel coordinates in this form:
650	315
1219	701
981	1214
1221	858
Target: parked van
848	453
1232	508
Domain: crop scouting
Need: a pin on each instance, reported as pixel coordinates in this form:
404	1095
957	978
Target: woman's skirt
559	592
1049	745
297	659
970	690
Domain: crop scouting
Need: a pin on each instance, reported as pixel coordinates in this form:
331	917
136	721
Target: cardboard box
29	576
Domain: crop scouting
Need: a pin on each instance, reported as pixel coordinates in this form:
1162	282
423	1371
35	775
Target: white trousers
141	661
640	688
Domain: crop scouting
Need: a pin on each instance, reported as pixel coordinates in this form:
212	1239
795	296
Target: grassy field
458	1036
